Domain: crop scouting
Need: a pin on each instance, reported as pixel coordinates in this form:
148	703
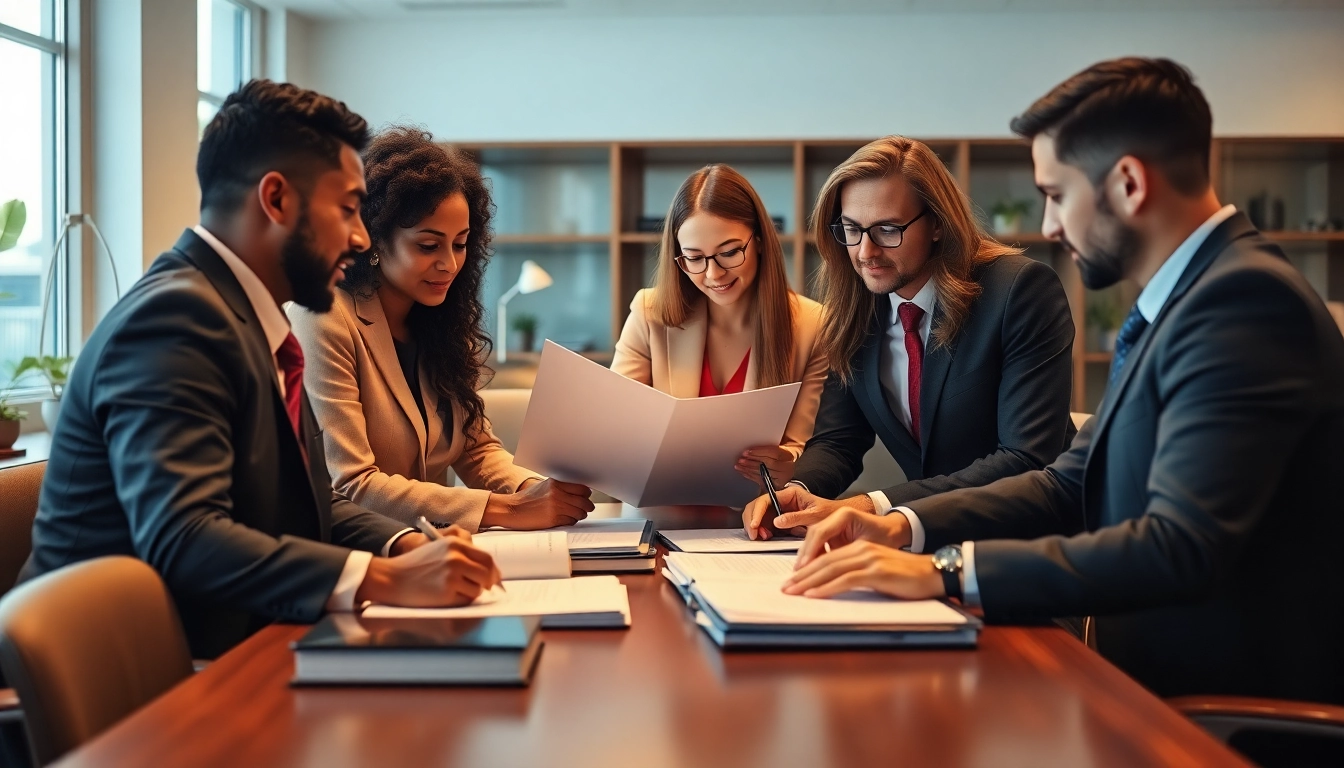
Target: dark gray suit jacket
174	446
994	403
1199	513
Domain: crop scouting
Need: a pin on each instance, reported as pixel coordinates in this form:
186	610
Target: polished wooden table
661	694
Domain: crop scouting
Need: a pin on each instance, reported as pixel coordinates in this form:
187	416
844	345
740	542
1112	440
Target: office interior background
587	114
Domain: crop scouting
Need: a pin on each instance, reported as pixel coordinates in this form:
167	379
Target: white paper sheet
588	424
527	554
726	540
605	535
579	595
773	569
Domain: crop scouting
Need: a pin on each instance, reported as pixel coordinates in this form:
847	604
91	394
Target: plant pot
9	432
526	339
1005	224
1107	340
50	410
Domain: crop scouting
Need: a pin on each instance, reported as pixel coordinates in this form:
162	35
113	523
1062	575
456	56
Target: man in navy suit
953	349
186	438
1195	514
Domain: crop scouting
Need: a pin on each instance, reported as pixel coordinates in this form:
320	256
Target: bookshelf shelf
573	206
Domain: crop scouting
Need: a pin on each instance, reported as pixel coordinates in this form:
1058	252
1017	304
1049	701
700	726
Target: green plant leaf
13	215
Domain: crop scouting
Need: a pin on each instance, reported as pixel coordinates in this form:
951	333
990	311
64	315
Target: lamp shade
533	278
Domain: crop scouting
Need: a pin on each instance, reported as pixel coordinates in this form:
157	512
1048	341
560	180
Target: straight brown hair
721	191
847	304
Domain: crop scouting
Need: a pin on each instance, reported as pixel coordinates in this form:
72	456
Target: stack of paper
588	602
615	544
725	540
739	603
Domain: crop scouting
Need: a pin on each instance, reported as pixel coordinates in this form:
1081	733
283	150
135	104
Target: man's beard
308	274
902	279
1111	245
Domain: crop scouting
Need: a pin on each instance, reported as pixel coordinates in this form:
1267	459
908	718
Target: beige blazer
670	359
380	453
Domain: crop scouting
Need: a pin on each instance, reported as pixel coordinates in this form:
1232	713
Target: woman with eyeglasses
392	370
720	317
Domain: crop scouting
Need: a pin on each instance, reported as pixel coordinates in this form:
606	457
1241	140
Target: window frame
61	290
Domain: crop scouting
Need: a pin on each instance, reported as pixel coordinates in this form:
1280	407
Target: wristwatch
948	562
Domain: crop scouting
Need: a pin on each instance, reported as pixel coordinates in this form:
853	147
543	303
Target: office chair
85	646
19	489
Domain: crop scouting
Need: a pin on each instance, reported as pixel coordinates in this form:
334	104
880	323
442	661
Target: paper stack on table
725	540
738	602
589	602
592	545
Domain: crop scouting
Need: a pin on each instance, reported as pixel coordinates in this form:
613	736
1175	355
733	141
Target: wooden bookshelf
574	207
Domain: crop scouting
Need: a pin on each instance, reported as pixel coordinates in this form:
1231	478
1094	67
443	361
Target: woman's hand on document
537	505
851	549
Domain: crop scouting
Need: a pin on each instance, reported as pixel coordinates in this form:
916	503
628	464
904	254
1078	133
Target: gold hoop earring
373	260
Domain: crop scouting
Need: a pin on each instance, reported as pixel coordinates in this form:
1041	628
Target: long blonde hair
721	191
848	305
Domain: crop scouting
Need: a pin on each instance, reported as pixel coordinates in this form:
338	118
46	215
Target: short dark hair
1148	108
265	126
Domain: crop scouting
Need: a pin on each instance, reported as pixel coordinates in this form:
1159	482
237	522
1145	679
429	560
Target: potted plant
526	326
1104	316
9	422
1008	215
56	371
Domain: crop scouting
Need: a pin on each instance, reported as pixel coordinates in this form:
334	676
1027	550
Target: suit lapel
378	339
937	363
896	437
319	482
434	428
686	352
212	265
1219	239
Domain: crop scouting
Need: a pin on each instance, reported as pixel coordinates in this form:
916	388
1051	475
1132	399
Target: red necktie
290	357
914	348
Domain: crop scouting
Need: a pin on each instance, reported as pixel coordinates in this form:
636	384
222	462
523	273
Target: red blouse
734	385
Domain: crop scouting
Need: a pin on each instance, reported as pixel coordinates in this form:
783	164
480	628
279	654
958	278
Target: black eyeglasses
884	234
694	265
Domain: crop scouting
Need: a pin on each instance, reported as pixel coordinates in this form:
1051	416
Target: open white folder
588	424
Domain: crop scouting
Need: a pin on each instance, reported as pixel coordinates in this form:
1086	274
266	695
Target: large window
223	52
32	170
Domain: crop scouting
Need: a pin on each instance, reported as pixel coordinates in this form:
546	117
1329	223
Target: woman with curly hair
393	368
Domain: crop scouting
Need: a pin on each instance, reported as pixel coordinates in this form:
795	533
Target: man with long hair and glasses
186	438
953	349
1194	514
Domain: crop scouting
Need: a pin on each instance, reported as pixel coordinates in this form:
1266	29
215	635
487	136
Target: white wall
534	75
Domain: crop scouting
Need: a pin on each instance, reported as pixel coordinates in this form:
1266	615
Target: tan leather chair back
85	646
19	488
506	409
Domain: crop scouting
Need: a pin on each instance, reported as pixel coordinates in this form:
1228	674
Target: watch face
948	558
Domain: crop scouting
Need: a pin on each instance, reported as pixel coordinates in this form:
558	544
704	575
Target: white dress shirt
275	326
1150	302
893	369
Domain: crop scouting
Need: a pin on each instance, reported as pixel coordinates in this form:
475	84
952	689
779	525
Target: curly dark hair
265	126
408	176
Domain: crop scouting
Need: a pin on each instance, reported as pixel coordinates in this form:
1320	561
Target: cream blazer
671	359
380	454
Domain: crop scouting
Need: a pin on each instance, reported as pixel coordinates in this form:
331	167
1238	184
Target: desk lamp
533	278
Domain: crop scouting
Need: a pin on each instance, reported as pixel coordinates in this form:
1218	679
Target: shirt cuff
916	529
342	598
970	588
387	548
798	483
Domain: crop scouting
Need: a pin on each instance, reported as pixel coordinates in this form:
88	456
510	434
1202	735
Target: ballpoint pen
770	489
429	530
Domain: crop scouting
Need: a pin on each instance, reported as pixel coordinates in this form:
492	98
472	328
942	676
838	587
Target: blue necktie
1130	331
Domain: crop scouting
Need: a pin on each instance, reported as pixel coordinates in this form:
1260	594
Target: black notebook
346	649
